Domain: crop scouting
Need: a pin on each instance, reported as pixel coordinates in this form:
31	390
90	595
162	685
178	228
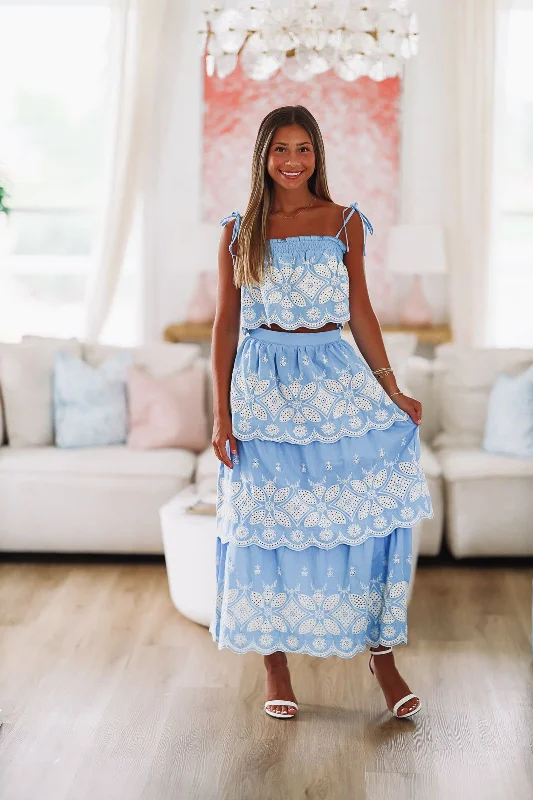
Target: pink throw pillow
167	412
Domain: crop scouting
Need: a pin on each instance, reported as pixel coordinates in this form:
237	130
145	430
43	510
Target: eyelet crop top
306	283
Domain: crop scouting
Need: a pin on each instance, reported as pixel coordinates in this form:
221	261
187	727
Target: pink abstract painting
360	125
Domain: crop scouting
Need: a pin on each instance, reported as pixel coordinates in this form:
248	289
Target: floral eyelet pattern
303	287
322	604
305	394
262	502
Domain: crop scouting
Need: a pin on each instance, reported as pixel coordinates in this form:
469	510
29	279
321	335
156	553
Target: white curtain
471	48
137	28
510	323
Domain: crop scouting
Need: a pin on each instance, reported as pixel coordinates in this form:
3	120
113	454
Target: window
510	320
54	123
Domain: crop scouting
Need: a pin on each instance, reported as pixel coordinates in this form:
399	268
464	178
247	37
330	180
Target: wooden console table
201	332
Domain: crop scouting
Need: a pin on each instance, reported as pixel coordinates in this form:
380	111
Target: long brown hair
253	245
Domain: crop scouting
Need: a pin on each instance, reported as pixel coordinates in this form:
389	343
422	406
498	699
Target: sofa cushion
207	466
168	411
26	379
90	403
97	500
463	377
460	464
489	503
509	425
104	462
429	461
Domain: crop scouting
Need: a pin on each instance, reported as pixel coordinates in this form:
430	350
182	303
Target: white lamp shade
417	250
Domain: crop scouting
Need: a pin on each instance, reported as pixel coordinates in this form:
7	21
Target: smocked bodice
306	281
305	285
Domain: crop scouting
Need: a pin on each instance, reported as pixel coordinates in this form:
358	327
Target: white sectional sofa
95	500
107	500
87	500
488	498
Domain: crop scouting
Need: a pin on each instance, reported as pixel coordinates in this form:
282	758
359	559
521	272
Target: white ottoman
189	540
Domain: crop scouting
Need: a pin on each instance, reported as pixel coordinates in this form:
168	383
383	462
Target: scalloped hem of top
306	650
299	323
342	539
316	437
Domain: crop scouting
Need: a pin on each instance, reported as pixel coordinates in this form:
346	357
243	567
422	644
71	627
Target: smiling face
291	157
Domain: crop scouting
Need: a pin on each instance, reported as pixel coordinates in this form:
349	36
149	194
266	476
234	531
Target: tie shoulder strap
347	214
236	227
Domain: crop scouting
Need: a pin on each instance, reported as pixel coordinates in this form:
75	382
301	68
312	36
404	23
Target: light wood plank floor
109	694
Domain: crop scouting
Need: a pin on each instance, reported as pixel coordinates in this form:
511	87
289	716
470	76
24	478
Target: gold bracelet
382	371
398	392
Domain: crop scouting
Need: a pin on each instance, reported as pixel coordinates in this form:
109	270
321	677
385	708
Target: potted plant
4	211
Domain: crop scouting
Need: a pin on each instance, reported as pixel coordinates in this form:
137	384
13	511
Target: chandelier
304	38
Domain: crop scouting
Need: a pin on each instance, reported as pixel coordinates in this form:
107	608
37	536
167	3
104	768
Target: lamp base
416	310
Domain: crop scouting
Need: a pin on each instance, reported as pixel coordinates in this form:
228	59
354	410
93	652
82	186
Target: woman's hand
410	406
222	432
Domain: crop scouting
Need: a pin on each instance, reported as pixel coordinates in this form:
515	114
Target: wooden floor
109	694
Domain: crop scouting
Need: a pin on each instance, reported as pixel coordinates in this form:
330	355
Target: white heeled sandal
407	697
280	703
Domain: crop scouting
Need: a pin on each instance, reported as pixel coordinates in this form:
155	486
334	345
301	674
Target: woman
319	481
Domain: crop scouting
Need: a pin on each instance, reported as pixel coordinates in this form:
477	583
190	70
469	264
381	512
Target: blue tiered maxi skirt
314	520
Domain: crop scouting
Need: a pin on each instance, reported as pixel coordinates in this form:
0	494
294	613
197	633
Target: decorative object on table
169	411
416	250
90	403
202	332
305	38
194	332
509	421
189	540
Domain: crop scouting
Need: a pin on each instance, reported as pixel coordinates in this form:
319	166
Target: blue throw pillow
90	403
509	422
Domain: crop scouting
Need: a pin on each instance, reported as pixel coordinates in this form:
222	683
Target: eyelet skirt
314	537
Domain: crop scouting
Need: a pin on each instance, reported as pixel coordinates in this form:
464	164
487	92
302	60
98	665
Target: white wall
173	234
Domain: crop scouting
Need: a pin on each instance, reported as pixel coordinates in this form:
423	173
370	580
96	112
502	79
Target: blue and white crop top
307	283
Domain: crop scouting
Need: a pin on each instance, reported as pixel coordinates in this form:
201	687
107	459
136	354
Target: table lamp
416	250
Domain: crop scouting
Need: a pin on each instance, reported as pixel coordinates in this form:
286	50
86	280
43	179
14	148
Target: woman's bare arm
364	323
224	347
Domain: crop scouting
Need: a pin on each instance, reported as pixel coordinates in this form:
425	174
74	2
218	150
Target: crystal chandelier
304	38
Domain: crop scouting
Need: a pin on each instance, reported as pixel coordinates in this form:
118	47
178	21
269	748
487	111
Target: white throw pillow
463	379
26	378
